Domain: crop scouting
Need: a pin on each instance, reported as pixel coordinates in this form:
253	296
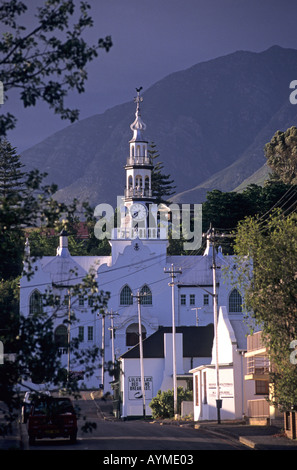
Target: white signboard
226	390
134	388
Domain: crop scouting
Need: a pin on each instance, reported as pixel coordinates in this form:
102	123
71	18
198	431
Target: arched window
130	181
147	182
61	336
35	303
132	334
126	296
138	181
235	302
147	298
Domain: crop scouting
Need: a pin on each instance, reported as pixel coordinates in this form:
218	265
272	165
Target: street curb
247	442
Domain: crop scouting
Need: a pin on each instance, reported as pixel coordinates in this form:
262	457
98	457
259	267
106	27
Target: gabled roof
197	342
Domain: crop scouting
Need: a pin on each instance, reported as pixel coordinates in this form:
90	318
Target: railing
258	408
63	350
136	160
258	365
152	233
138	192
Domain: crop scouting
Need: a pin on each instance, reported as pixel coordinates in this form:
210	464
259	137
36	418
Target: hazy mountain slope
209	122
250	166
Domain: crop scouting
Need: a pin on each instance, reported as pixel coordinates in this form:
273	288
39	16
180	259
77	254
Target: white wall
153	369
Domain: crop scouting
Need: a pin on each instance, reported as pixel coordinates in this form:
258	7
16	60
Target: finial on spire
138	125
138	99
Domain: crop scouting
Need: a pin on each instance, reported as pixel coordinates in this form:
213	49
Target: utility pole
173	273
103	349
112	329
212	237
139	296
197	319
68	287
68	334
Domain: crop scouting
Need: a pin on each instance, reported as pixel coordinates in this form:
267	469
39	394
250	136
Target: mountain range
209	123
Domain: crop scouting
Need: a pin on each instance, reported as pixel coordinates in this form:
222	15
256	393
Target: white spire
138	125
26	262
62	250
27	248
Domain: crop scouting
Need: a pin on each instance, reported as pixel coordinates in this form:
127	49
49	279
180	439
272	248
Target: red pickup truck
52	417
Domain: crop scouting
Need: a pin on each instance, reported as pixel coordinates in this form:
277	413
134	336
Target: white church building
138	265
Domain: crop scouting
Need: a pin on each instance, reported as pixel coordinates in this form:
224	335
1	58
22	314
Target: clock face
138	211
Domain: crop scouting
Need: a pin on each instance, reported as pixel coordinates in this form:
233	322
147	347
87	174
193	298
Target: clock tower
138	216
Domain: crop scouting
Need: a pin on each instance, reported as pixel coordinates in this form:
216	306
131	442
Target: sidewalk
254	437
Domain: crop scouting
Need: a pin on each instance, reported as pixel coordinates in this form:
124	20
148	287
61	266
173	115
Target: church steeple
139	164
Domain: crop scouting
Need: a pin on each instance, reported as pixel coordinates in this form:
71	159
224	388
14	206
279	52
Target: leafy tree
48	60
225	210
162	185
25	203
281	154
267	257
162	404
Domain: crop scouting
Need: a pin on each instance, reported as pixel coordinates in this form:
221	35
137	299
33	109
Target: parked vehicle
50	418
27	403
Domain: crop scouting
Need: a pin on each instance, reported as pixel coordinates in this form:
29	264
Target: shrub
162	404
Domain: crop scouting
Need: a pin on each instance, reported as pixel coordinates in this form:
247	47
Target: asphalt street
133	435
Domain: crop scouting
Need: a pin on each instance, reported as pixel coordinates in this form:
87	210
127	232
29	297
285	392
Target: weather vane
138	99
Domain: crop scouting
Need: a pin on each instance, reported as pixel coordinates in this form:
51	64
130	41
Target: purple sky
153	38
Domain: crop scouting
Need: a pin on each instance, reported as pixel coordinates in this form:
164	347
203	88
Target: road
134	435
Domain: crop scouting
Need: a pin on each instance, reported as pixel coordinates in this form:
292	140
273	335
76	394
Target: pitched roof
197	342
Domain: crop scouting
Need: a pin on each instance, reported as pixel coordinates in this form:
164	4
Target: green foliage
162	187
281	154
162	404
267	255
25	203
50	59
225	210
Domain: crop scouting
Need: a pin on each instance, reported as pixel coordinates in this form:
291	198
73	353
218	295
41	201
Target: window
204	388
147	296
35	303
126	296
90	333
138	181
192	299
235	302
61	336
81	333
81	300
261	387
132	334
90	301
196	390
205	299
183	299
